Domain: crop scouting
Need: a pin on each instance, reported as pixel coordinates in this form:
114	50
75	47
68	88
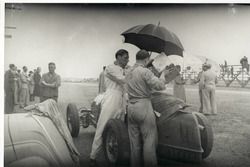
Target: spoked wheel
206	133
116	143
73	120
111	146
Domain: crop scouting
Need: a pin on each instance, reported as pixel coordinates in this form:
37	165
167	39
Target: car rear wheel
73	121
206	132
116	142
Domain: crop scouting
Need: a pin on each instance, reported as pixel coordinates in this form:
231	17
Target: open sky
81	39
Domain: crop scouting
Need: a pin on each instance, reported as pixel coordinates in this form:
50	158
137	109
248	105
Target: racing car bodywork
183	133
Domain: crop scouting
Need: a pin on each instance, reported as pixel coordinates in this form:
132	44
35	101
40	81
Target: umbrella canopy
154	38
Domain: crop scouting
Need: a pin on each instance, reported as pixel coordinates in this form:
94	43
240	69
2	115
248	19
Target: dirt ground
231	126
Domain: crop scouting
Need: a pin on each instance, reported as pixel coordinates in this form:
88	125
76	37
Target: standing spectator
208	83
222	69
225	67
200	87
179	89
232	71
113	105
244	63
16	85
37	78
204	68
31	85
50	82
102	81
19	83
142	127
24	92
9	89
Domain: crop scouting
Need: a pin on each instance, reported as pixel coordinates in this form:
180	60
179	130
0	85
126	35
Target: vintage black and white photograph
126	84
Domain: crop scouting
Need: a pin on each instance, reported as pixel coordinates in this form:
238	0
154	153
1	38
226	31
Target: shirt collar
138	64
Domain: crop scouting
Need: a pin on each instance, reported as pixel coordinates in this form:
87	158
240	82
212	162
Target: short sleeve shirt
50	79
141	81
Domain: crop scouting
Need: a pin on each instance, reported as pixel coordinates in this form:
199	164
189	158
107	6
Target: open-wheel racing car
183	134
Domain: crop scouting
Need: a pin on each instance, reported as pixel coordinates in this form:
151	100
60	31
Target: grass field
231	126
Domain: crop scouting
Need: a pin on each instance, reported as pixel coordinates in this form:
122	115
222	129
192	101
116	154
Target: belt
139	99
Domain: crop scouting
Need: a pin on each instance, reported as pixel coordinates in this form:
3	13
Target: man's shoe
93	163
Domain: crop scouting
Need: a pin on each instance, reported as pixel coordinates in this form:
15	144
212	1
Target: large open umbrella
154	38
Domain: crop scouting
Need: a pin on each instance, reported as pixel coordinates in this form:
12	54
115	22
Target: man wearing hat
208	84
200	87
141	118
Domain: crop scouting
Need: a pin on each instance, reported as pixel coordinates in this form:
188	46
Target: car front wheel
73	120
116	142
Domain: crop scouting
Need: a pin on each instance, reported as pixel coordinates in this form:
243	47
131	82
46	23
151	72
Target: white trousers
112	106
209	100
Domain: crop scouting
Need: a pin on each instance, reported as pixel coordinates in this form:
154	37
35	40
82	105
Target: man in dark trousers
9	89
37	78
141	118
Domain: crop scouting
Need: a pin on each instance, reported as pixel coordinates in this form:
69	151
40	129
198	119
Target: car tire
116	143
207	137
73	120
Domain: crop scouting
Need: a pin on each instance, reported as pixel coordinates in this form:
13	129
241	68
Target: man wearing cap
208	84
114	101
141	118
200	86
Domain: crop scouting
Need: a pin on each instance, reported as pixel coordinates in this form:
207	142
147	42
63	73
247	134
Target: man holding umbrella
141	118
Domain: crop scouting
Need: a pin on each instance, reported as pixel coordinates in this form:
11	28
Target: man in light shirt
208	84
141	118
24	92
200	87
113	103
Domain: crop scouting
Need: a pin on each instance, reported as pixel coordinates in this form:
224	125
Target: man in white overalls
114	101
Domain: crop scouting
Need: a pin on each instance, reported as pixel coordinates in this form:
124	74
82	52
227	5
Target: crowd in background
21	87
229	69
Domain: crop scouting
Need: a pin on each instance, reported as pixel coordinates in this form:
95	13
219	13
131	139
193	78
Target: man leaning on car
141	118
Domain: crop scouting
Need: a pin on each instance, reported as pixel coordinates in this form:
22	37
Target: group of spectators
23	87
229	69
207	80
